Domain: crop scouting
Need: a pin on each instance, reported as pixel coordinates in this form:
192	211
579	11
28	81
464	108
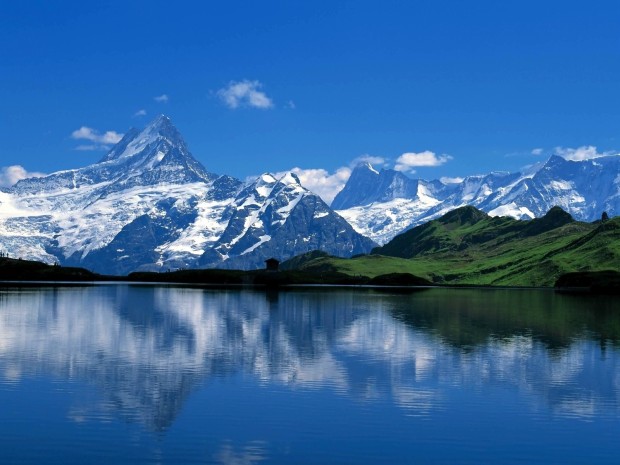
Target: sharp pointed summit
157	153
150	205
279	217
135	140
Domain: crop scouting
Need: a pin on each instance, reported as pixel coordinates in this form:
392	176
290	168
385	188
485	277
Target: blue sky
462	87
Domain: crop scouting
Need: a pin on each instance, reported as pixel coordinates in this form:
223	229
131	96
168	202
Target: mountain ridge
584	188
148	204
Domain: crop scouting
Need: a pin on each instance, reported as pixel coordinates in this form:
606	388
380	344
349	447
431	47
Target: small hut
271	264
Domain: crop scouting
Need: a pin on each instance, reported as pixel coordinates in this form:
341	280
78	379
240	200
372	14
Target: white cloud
163	98
141	112
291	105
581	153
244	94
9	175
99	141
108	137
320	181
408	161
537	151
326	185
449	180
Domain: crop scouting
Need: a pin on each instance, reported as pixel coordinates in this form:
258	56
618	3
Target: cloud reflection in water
148	348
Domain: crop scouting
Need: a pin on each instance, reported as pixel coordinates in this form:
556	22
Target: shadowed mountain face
150	205
366	186
147	349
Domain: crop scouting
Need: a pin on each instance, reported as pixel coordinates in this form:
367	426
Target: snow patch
561	185
512	210
261	241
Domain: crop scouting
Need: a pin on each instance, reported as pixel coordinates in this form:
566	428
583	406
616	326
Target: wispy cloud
108	137
91	147
537	151
408	161
244	94
449	180
99	141
9	175
585	152
141	112
163	98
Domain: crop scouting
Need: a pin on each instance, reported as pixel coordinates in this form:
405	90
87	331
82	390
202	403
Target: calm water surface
146	374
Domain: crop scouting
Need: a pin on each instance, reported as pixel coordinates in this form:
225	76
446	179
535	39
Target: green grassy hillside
466	246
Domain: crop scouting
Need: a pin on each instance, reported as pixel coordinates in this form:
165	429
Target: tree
604	217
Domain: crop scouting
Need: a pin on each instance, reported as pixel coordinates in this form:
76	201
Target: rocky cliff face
280	218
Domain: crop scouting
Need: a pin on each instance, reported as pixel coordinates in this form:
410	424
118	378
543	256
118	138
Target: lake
143	374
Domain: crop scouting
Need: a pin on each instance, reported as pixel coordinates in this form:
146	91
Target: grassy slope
491	251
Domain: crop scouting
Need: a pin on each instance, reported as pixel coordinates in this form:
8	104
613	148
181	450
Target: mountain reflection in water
148	348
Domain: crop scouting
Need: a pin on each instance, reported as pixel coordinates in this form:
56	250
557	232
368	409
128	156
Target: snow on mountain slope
380	205
280	218
381	221
149	205
69	215
583	188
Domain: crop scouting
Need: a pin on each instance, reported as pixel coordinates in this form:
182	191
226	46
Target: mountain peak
154	154
135	141
555	161
553	219
161	118
463	215
365	166
358	189
290	178
160	123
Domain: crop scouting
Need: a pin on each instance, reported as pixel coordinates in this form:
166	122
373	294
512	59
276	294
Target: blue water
153	374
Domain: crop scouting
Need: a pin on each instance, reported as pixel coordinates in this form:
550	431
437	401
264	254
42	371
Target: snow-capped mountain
367	185
380	209
381	204
149	204
280	218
